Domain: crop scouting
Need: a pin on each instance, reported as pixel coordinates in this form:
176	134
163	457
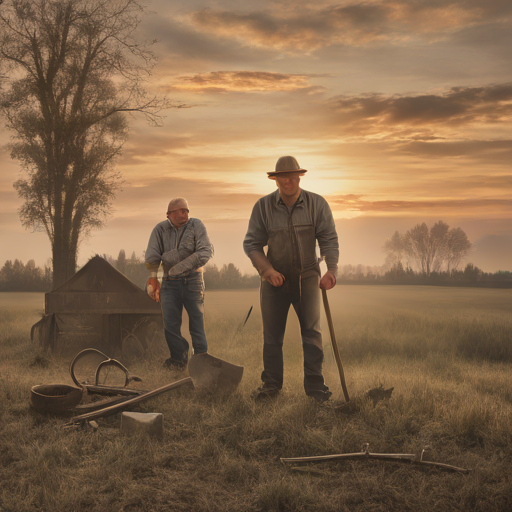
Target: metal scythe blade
335	345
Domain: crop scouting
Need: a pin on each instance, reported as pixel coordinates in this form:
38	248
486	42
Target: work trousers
304	295
175	294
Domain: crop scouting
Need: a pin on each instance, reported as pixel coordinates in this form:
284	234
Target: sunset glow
400	111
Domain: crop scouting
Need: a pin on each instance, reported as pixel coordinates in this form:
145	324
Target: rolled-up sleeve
327	236
204	248
257	235
155	250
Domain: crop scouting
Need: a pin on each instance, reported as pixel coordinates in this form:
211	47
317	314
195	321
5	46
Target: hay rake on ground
364	454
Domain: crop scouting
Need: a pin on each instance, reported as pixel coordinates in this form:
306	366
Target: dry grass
446	352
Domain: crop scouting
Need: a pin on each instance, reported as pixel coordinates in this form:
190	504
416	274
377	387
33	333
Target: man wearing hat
183	247
290	221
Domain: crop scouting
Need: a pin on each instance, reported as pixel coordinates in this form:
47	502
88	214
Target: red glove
153	288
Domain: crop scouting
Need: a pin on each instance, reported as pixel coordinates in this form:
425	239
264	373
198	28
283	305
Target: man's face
288	183
178	214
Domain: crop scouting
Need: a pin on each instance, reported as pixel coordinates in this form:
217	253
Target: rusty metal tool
103	364
208	374
114	409
335	345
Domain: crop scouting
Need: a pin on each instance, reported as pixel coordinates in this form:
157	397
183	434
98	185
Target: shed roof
99	288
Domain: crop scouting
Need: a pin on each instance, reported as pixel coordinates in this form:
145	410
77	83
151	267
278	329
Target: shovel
335	345
213	375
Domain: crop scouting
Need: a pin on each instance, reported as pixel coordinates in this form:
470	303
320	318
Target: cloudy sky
400	110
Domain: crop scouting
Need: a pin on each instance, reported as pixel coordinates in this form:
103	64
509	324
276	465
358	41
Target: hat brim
273	174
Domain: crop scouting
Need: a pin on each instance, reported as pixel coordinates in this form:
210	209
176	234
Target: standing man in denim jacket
183	247
290	221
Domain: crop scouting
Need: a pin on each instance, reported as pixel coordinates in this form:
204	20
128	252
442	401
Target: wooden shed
100	308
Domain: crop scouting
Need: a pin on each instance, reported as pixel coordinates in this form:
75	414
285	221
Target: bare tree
395	249
426	246
74	67
430	249
437	243
417	245
457	247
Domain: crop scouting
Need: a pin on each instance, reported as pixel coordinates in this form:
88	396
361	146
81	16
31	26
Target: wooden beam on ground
114	409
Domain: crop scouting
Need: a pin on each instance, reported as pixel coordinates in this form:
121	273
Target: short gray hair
174	202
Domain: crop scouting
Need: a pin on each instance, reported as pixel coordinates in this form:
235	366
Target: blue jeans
174	294
304	295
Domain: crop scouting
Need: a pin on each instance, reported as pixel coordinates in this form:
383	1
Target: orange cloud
242	81
211	198
397	206
314	26
421	117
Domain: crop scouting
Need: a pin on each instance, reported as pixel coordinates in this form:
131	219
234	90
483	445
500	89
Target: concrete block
149	423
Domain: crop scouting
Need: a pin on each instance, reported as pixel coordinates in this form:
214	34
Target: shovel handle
335	345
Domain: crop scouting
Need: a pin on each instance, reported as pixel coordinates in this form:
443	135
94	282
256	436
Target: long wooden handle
335	345
398	457
114	409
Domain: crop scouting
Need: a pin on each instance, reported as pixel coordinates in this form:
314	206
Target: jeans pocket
195	287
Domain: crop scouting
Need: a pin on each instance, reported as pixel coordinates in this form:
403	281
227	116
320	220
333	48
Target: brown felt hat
286	164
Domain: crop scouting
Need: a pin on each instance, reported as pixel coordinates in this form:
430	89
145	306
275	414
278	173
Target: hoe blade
213	375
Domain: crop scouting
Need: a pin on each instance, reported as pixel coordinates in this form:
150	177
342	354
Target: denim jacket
182	251
291	233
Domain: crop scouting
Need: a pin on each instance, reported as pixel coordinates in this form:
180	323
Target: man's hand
153	288
274	277
328	281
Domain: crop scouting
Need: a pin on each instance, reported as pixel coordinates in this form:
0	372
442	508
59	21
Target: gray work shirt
291	233
182	251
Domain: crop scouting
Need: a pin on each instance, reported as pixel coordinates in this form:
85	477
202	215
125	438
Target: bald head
177	211
177	202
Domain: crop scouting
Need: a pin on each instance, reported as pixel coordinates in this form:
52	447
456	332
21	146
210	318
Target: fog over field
446	352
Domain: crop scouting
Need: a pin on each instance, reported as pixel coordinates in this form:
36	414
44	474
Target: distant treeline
397	274
18	277
133	268
227	277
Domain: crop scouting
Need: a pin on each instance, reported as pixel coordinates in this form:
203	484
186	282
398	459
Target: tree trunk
64	261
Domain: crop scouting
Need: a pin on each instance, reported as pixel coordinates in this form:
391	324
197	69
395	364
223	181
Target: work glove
153	288
171	257
185	265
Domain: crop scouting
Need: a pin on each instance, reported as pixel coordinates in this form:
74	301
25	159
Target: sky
400	110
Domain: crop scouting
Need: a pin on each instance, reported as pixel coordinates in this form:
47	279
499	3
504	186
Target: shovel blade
213	375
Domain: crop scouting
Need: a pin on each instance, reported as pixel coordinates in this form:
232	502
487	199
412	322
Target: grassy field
446	351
